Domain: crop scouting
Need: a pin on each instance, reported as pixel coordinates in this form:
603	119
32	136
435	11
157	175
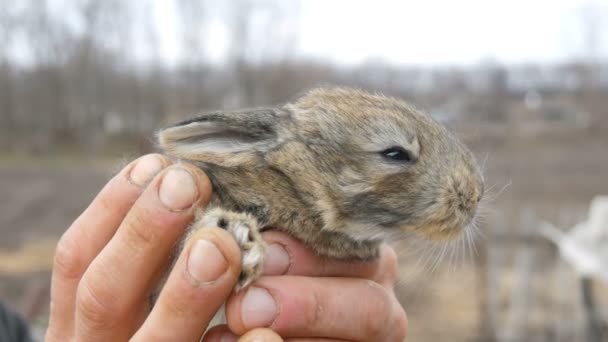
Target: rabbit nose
468	196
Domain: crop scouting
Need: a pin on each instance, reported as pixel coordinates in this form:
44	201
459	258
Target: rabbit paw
244	228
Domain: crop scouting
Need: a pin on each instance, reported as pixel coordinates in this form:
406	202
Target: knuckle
105	203
67	261
55	335
401	324
379	306
179	304
314	310
392	263
95	307
139	232
390	266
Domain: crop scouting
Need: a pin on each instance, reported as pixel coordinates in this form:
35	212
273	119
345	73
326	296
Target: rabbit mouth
455	210
447	229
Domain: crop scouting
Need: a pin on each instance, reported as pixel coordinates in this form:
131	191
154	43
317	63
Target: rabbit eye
398	153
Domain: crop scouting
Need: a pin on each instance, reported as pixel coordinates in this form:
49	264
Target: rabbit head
369	166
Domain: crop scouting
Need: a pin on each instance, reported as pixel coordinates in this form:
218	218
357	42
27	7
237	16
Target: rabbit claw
244	229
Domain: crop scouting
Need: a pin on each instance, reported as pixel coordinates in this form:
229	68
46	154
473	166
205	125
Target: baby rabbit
339	169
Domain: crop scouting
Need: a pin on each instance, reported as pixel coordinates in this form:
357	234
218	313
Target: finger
286	255
267	335
222	333
313	339
321	307
201	280
120	278
260	334
89	233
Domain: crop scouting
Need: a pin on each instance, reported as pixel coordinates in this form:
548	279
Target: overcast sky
434	32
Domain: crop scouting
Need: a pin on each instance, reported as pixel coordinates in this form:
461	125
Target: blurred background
85	83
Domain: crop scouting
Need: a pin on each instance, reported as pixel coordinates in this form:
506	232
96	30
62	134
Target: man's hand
113	256
306	297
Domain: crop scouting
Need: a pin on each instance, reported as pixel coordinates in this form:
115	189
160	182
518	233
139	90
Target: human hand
99	294
113	256
304	297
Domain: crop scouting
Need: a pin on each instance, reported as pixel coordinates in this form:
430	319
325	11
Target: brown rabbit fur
339	169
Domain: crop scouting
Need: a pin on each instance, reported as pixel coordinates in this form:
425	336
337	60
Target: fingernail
206	263
146	168
277	260
258	308
178	189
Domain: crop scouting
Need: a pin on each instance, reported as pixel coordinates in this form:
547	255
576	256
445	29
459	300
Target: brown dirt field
551	178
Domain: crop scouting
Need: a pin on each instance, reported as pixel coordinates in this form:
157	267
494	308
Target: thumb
261	334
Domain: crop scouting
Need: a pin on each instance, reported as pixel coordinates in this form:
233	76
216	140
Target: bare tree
192	30
6	79
103	24
254	39
592	15
46	44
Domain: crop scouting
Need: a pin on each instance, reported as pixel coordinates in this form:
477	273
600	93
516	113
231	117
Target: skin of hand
114	254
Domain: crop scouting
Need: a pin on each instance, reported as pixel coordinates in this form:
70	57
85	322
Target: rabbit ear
219	133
